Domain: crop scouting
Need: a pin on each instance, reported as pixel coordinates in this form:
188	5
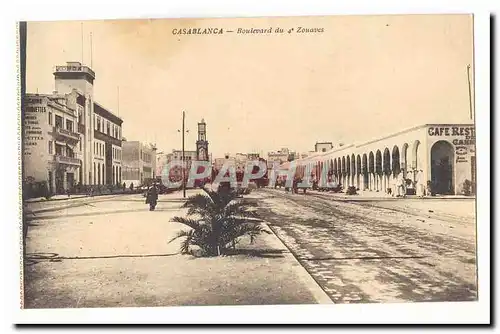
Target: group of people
400	185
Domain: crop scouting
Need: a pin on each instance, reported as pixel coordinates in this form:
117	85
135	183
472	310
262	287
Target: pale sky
362	77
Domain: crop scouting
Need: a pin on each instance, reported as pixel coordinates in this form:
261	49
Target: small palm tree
217	220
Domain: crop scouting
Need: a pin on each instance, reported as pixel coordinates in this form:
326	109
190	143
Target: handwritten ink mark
290	31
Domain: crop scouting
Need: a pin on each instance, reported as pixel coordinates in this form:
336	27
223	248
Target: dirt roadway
364	254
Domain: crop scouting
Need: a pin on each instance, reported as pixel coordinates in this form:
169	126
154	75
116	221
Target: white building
74	127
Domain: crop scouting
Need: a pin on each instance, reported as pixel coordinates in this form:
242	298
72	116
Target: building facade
442	155
52	149
83	136
138	162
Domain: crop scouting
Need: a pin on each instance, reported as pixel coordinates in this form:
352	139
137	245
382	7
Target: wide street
379	250
114	252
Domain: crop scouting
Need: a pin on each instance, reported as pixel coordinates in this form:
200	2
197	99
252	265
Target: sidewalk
33	207
125	260
366	195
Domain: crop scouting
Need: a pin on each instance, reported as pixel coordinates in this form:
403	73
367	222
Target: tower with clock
202	143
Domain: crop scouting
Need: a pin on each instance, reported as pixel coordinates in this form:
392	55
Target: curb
64	207
317	291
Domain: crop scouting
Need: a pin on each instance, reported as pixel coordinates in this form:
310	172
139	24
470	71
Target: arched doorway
404	158
335	170
358	171
386	168
371	170
348	170
353	170
343	170
378	170
396	164
442	167
365	171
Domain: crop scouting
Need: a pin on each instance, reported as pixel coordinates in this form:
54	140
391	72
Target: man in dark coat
152	197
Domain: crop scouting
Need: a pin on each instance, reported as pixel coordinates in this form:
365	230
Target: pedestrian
399	184
152	197
420	188
402	185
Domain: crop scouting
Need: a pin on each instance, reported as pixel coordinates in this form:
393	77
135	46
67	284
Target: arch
358	164
404	156
353	164
335	167
386	168
414	160
364	163
443	167
343	165
378	162
371	163
348	165
396	164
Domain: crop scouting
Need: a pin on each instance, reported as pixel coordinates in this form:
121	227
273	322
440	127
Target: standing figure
399	184
419	183
152	197
402	184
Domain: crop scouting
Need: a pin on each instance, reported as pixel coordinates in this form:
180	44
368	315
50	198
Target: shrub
351	190
467	187
218	219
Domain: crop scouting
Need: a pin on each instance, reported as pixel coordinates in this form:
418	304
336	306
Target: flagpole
81	30
91	49
183	159
470	91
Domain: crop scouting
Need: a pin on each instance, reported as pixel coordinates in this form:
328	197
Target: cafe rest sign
467	134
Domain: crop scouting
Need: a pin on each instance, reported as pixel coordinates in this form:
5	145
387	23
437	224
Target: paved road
360	253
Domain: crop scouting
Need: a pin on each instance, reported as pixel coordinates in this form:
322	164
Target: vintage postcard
248	161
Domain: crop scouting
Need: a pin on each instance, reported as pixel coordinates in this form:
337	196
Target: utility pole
183	159
470	91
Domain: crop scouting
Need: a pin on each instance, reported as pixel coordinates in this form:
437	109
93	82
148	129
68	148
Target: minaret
202	143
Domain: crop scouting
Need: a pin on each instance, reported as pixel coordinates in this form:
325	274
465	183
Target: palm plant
218	219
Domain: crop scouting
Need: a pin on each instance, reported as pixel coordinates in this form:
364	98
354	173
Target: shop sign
461	150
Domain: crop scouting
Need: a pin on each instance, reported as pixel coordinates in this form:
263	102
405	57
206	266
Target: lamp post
183	155
183	159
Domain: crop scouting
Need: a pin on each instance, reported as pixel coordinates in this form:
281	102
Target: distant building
323	147
139	161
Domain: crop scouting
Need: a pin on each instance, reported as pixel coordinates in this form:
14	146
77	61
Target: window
69	125
59	122
107	129
98	124
80	143
50	147
95	122
50	118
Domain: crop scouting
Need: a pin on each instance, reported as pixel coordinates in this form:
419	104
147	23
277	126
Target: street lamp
183	156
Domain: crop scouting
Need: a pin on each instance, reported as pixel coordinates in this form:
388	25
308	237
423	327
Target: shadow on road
34	258
263	253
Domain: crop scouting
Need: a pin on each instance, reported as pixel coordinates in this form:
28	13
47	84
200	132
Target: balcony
66	135
66	160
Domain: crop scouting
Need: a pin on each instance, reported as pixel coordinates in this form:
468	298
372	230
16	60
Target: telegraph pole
183	159
470	92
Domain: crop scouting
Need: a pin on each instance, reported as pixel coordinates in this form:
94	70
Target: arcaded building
443	154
